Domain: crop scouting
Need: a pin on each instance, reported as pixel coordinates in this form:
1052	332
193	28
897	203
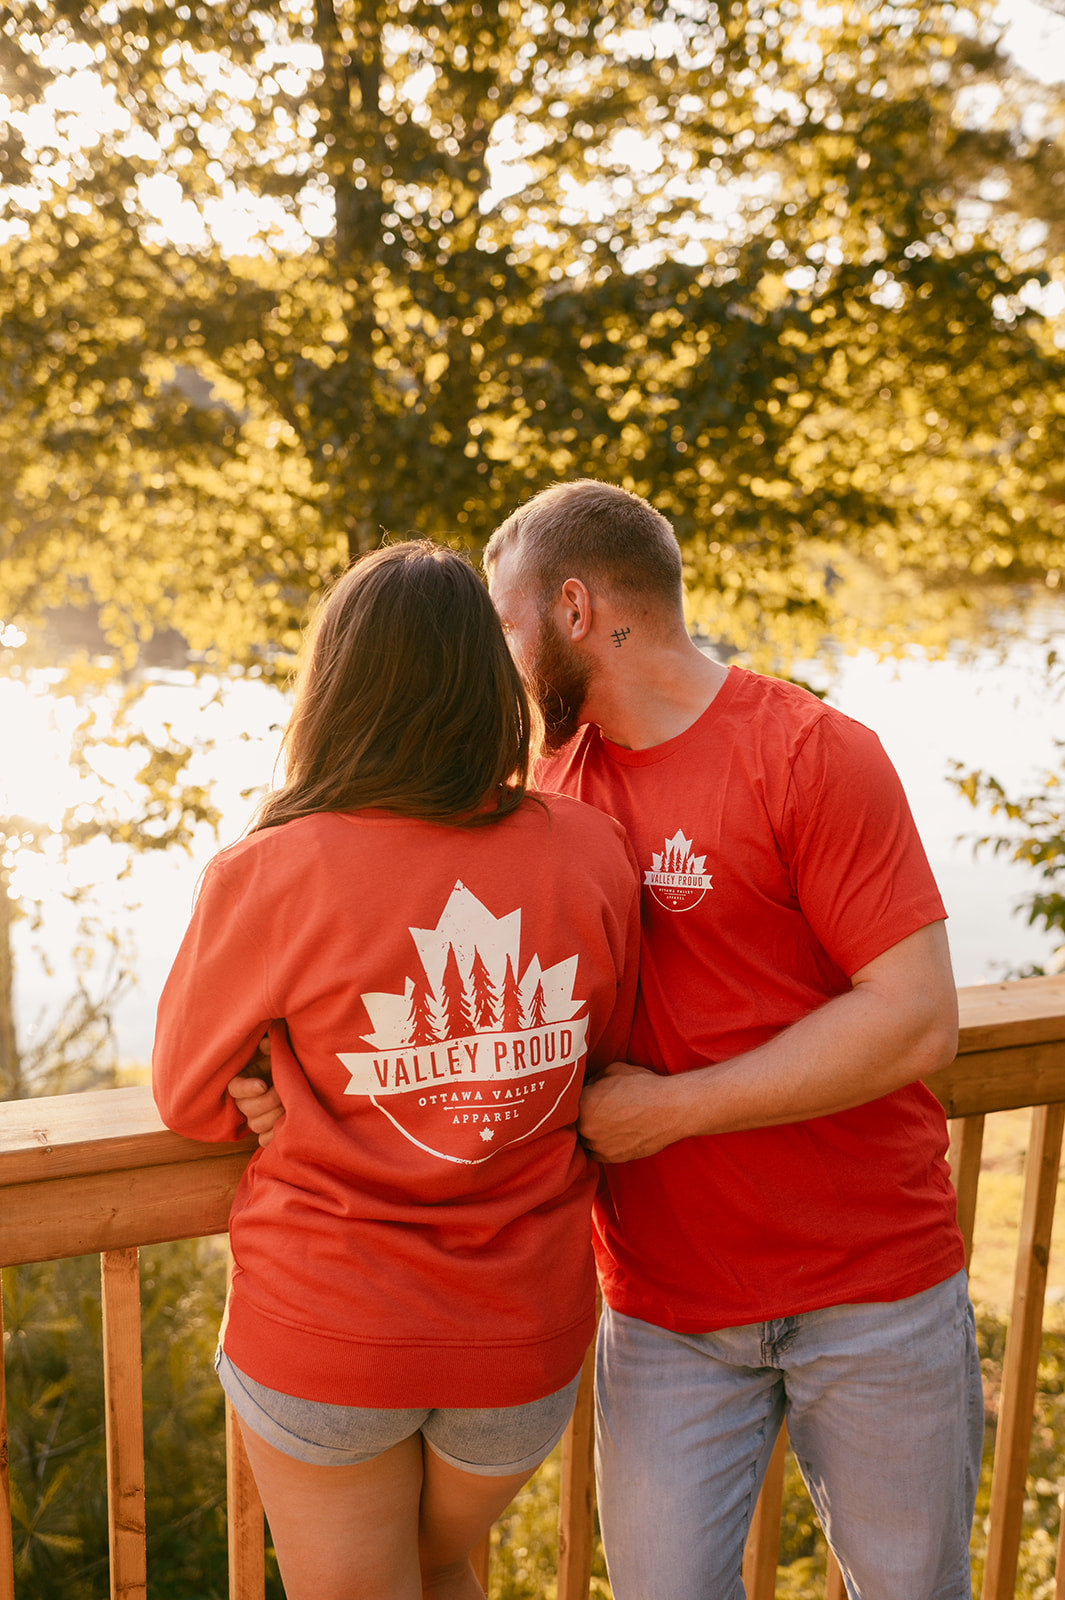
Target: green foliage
53	1360
1046	1481
779	268
1034	834
1031	826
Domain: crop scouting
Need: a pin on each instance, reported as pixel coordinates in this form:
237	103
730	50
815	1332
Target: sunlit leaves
781	268
1030	829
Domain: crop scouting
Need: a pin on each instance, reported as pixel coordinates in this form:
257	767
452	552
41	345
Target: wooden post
1021	1364
7	1551
835	1589
245	1524
576	1497
124	1423
966	1148
762	1553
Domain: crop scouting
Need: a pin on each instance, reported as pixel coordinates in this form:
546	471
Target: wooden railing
97	1172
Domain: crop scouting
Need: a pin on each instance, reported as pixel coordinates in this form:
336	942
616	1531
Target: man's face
555	674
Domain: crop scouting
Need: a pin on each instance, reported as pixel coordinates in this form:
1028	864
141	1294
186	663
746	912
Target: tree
511	1019
455	1002
779	269
537	1006
484	994
421	1024
161	808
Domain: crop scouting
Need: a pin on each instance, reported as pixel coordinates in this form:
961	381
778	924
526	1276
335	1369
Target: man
776	1232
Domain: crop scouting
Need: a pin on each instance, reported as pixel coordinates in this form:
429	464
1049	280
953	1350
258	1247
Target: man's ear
577	612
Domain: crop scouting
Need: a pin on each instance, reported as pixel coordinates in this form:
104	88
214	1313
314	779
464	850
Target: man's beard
559	679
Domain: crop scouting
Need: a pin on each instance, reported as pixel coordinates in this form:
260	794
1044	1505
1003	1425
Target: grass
998	1211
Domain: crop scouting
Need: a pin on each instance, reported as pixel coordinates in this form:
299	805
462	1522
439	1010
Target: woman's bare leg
343	1533
457	1509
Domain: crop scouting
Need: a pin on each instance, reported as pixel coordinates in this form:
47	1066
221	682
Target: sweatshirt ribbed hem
401	1372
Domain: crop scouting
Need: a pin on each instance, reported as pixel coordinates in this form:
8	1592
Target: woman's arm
213	1013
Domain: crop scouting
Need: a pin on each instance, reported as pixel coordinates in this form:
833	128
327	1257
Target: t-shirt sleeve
858	867
212	1013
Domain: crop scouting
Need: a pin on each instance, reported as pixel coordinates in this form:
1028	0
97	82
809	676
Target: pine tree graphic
468	977
457	1023
420	1025
676	858
484	995
512	1020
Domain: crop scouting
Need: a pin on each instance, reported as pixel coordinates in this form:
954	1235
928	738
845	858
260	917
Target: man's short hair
596	532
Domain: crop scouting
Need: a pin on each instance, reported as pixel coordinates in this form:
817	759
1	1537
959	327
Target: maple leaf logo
678	878
475	1044
678	856
469	980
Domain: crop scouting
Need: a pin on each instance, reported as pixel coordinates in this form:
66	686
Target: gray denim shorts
491	1441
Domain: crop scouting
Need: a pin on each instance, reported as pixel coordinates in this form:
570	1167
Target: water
992	711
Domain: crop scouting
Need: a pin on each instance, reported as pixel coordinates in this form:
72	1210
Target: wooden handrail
98	1173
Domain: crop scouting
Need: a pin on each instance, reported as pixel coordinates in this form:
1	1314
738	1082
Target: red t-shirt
418	1232
778	856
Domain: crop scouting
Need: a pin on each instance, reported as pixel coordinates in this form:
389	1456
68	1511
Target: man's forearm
896	1024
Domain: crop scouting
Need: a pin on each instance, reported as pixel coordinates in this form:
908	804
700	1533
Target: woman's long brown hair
407	698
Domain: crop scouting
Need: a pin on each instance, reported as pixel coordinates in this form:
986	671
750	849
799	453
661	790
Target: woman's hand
255	1097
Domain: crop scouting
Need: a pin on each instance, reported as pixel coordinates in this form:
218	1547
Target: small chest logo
676	878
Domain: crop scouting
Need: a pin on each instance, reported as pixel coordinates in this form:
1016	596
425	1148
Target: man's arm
898	1022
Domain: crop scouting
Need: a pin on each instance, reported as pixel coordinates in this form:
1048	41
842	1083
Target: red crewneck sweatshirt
417	1233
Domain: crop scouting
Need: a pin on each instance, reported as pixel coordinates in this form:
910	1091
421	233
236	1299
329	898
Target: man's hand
627	1113
255	1097
898	1022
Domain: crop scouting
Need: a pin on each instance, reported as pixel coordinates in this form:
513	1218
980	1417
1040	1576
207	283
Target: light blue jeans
884	1408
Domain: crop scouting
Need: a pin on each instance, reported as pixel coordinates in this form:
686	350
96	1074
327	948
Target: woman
436	956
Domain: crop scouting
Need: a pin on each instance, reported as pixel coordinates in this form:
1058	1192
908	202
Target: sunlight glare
40	785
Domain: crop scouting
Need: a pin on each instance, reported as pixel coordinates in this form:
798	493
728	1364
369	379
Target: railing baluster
7	1549
245	1520
966	1148
1021	1364
245	1524
762	1553
576	1495
835	1588
97	1172
123	1405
